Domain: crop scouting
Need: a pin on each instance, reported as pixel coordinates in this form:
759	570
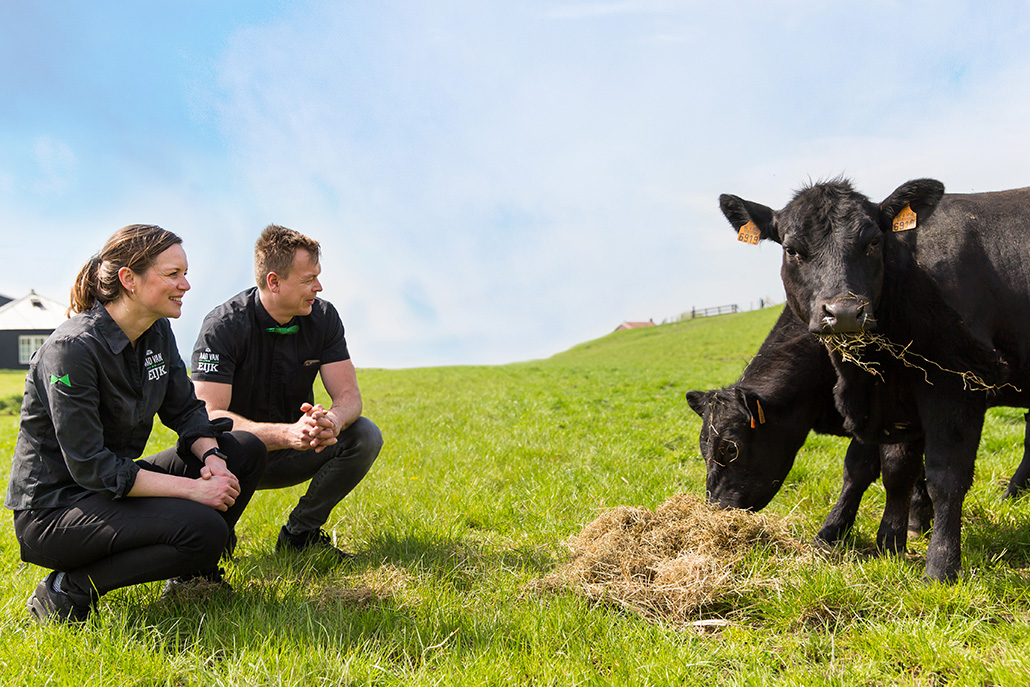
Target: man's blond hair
275	250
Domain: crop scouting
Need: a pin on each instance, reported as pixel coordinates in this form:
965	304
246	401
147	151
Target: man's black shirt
271	373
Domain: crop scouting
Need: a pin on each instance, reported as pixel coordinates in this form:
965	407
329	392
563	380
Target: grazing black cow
943	281
751	432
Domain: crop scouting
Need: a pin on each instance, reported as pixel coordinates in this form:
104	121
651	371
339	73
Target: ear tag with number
749	233
905	220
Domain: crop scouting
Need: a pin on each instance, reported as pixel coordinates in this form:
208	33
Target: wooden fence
708	312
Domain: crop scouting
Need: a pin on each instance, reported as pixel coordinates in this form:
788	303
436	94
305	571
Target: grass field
486	472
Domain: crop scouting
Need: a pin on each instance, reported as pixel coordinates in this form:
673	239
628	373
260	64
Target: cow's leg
901	465
920	511
1018	483
953	423
861	468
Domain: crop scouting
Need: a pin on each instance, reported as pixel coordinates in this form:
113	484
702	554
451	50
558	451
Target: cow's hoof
830	536
1015	492
892	547
942	577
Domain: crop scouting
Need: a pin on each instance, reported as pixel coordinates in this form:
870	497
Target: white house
25	323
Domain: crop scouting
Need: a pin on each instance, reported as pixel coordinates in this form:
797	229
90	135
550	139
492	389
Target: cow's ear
739	212
752	406
922	194
698	401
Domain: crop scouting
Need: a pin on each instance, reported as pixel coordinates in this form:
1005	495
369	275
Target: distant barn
635	325
25	323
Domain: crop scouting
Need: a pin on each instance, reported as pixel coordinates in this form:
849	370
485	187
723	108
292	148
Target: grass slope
485	473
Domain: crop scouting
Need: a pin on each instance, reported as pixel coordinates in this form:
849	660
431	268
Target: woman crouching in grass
85	504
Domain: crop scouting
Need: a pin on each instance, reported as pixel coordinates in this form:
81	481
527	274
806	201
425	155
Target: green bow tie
283	330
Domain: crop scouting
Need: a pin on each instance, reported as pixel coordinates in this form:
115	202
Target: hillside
486	474
719	346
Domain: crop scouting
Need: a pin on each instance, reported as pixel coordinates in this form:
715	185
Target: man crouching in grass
255	361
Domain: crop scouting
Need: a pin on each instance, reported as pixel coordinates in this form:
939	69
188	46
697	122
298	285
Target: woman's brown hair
135	246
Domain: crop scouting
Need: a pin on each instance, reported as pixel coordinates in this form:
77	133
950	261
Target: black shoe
312	540
196	585
47	605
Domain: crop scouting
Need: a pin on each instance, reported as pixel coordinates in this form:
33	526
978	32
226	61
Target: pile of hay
672	563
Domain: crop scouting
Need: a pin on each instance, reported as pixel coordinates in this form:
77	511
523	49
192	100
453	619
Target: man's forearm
345	411
274	435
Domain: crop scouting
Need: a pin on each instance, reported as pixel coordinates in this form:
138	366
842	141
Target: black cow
949	298
751	432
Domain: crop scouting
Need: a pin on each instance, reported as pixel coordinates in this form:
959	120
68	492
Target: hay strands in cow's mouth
851	346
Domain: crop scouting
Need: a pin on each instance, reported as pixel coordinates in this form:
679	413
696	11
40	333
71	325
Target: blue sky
490	181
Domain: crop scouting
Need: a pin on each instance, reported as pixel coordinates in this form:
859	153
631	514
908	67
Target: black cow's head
745	462
833	247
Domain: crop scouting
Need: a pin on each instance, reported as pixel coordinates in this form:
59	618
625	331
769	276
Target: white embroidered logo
207	361
154	363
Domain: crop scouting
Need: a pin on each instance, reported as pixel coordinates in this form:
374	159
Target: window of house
27	345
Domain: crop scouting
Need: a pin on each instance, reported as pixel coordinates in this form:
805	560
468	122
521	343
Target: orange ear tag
905	220
749	233
761	415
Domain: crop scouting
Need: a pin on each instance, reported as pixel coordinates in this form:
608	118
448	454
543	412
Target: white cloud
538	182
494	182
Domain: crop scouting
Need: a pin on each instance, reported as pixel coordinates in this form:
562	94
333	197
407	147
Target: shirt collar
266	321
108	328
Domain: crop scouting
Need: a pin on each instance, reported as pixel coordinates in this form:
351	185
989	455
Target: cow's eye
873	245
729	452
792	252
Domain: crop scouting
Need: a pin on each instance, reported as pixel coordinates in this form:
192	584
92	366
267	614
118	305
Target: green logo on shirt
54	379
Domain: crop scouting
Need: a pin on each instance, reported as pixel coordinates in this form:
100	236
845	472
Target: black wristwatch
213	452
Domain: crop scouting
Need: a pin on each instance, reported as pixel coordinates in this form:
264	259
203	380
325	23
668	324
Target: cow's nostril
829	318
842	315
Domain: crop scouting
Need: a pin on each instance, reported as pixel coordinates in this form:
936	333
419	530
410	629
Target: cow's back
976	248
